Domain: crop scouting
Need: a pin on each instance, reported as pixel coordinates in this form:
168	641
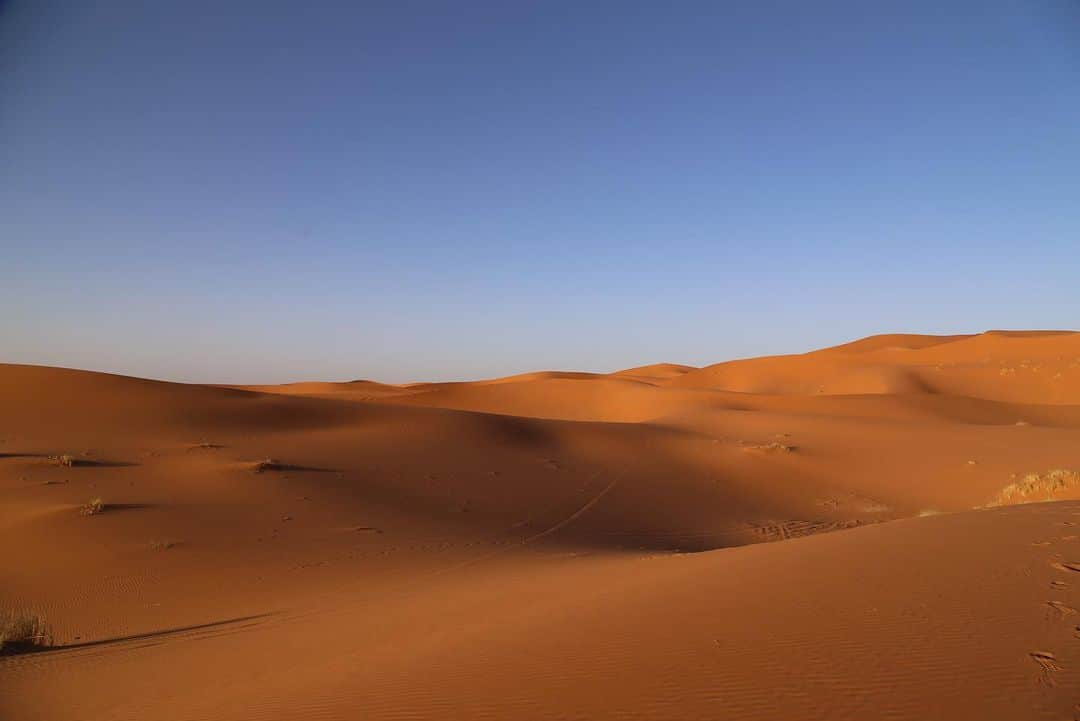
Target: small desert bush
773	447
22	631
92	507
266	464
1035	487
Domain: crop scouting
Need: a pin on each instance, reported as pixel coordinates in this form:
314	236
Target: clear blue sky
269	191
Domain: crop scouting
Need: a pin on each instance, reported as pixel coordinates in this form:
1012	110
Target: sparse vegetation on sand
774	447
21	631
266	464
92	507
1035	487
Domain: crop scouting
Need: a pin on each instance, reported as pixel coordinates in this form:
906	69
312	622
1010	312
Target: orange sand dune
556	545
1036	367
655	372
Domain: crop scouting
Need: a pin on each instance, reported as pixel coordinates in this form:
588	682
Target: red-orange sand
834	535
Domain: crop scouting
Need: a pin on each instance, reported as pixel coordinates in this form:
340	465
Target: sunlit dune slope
1037	367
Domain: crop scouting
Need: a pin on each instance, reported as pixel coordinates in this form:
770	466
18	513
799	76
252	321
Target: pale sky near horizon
271	191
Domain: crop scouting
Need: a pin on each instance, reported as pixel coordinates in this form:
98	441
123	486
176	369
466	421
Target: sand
884	529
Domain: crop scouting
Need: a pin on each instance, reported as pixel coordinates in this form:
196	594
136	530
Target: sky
270	191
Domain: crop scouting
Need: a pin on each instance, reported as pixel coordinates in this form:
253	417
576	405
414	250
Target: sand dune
1033	367
556	545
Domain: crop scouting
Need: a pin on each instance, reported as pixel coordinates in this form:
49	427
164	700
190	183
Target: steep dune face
555	545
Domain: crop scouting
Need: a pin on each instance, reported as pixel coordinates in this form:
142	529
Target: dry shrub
774	447
92	507
21	631
266	464
1035	487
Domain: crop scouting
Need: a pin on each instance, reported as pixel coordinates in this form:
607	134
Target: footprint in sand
1048	665
1058	610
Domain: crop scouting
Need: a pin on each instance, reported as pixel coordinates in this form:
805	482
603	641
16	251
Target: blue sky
271	191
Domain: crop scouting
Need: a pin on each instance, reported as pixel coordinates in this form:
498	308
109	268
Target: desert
539	361
882	529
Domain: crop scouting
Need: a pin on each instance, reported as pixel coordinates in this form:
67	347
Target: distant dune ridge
855	532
